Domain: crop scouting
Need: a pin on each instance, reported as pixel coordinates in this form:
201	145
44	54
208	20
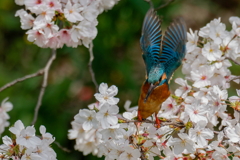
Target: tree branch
166	123
237	63
161	6
164	5
61	147
38	73
90	66
237	77
44	85
150	2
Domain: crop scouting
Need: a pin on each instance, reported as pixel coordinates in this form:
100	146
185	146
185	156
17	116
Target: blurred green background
117	62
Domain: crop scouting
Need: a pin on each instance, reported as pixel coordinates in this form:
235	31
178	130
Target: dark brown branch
44	85
61	147
161	6
150	3
237	63
90	66
38	73
164	5
163	123
237	77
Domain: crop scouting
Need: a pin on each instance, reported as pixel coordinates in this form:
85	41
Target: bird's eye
160	79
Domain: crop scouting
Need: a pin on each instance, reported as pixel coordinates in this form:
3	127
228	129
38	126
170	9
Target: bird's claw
139	116
158	122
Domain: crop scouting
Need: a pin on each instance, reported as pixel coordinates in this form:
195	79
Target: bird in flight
162	56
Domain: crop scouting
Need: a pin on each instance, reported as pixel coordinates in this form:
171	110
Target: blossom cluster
4	108
209	51
197	122
53	23
97	122
25	145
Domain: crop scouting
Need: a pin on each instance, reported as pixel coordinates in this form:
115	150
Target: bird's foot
139	116
140	119
158	122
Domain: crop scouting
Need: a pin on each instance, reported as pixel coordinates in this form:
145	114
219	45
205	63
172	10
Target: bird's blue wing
151	39
173	46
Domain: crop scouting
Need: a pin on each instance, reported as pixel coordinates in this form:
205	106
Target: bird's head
156	77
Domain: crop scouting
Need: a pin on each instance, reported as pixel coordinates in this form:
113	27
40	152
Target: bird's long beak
151	88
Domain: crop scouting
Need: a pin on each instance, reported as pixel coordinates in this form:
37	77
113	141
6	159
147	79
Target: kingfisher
162	56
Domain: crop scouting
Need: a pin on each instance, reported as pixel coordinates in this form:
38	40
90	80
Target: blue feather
151	39
173	47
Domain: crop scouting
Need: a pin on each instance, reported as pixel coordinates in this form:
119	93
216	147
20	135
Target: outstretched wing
173	46
151	39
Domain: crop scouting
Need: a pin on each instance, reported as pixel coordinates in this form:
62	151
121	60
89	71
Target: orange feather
154	101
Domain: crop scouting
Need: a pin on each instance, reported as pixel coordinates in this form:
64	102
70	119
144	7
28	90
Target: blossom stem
44	85
156	154
237	63
38	73
90	66
61	147
174	123
164	5
143	157
229	42
237	77
150	3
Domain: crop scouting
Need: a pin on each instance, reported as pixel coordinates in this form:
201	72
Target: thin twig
237	63
164	5
143	156
167	123
90	66
150	2
237	77
44	85
61	147
38	73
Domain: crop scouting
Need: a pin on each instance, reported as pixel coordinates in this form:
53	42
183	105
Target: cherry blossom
87	118
202	76
26	19
71	12
46	137
192	40
106	94
233	133
27	137
26	145
4	108
211	51
195	119
76	18
200	134
113	131
182	143
38	37
196	112
19	2
17	128
170	108
30	155
182	91
7	143
107	115
130	154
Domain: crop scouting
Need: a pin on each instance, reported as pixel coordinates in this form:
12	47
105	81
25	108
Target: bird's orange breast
154	101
